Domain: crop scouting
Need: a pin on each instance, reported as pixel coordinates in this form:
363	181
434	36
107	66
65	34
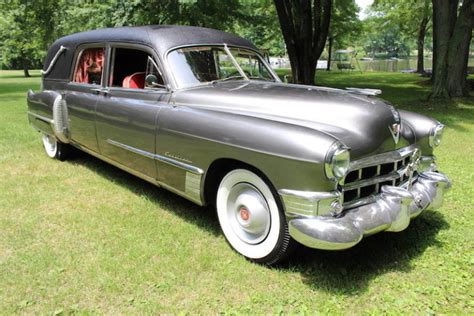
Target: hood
360	122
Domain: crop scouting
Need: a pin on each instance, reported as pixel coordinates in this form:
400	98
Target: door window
90	66
130	68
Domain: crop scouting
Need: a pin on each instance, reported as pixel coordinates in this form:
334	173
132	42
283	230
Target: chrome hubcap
248	213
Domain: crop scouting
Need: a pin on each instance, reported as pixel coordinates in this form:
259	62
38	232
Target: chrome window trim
164	159
137	90
112	46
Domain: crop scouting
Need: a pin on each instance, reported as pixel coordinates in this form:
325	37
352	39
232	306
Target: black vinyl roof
160	37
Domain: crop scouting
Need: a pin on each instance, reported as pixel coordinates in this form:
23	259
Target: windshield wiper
226	79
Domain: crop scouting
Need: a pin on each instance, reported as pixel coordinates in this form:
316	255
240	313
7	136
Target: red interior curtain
90	66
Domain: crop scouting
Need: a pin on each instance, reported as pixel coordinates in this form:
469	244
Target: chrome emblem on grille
395	131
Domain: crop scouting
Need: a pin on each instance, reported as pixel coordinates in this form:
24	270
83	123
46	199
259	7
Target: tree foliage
26	31
29	27
380	37
410	18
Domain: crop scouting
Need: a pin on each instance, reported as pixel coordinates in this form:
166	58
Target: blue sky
363	4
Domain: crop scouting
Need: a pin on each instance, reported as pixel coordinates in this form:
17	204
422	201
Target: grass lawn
82	236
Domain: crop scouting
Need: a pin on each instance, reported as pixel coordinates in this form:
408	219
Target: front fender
421	126
290	156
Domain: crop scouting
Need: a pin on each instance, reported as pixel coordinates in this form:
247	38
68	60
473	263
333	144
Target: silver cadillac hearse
200	113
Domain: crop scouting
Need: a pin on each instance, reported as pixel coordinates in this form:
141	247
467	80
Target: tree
258	22
345	26
305	26
409	17
27	30
452	34
381	36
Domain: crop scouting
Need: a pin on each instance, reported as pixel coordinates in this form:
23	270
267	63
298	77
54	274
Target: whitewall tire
54	148
251	217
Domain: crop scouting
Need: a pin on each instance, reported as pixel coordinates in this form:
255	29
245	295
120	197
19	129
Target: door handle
103	91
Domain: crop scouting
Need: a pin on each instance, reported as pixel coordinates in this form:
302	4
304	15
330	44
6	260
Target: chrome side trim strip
132	149
140	175
53	61
40	117
164	159
179	164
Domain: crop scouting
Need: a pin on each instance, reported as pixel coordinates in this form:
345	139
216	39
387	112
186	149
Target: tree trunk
451	39
305	27
458	53
420	65
328	67
25	67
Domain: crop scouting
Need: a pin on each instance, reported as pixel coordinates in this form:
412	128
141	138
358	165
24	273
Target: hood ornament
395	131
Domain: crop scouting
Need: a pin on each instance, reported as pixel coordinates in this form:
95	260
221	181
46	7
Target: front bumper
391	211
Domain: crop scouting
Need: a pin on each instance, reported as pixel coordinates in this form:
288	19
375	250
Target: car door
82	94
128	108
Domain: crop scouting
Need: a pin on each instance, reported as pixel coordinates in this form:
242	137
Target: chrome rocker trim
391	211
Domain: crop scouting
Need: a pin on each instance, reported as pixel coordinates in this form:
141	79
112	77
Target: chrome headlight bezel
436	134
337	161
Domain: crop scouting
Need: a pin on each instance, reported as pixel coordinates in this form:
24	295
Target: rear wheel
54	148
251	218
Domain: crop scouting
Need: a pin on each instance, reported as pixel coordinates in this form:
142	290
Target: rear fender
47	113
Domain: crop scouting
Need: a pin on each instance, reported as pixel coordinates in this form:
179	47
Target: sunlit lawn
82	236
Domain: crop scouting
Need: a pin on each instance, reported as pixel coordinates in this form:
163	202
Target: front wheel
251	217
54	148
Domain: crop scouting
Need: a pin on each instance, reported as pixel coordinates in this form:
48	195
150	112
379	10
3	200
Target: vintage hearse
199	112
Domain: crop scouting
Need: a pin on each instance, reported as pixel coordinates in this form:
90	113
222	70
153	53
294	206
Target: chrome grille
367	176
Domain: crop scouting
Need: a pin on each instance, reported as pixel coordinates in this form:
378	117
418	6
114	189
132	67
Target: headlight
337	161
436	134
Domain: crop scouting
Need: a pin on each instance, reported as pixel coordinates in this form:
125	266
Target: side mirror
151	80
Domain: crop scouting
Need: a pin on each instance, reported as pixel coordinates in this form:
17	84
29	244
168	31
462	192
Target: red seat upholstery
135	81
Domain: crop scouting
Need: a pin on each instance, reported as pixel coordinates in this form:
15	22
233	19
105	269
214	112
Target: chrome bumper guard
391	212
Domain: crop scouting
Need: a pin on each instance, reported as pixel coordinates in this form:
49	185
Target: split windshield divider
236	64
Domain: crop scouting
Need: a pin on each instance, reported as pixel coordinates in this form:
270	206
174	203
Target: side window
130	67
90	65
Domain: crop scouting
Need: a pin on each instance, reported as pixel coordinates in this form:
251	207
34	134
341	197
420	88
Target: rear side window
90	66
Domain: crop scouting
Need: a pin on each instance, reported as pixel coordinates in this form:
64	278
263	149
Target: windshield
208	64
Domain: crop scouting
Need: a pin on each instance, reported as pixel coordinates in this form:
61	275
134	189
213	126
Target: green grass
84	237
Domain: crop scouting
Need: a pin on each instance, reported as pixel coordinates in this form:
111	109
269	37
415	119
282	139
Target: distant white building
279	62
